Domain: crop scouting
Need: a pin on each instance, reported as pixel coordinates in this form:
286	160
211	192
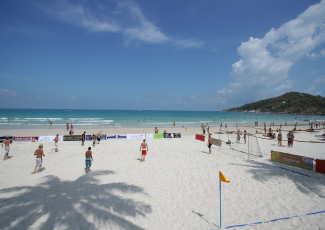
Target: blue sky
160	55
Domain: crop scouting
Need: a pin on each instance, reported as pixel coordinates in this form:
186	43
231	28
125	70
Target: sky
200	55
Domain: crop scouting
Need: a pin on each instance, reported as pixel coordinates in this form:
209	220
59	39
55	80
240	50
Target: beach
176	187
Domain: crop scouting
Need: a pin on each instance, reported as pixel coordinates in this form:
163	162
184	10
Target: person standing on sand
208	128
83	138
99	135
68	126
156	130
143	149
89	158
210	141
203	130
245	135
56	143
7	143
238	136
280	139
290	137
39	153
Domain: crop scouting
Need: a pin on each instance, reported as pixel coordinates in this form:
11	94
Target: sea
84	118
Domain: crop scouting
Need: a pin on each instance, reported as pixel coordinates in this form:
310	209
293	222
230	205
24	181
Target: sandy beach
177	187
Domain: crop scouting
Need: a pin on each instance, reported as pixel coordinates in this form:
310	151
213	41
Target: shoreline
138	130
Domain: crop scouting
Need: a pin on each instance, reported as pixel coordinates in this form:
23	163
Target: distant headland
288	103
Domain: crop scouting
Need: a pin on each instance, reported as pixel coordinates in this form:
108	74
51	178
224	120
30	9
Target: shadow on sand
81	204
306	181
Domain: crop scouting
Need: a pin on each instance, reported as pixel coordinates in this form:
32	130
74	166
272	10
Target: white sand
177	187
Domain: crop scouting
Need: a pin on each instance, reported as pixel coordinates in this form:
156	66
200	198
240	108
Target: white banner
149	136
48	138
116	136
136	136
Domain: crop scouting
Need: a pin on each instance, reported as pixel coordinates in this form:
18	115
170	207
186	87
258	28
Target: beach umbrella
222	178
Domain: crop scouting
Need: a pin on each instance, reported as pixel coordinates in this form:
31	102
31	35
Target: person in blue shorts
89	159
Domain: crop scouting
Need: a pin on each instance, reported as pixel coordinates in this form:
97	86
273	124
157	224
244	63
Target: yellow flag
223	178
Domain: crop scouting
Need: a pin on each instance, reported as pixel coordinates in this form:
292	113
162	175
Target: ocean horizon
101	118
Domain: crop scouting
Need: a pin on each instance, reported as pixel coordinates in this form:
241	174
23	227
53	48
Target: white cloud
7	92
265	62
310	90
320	80
124	17
322	53
78	15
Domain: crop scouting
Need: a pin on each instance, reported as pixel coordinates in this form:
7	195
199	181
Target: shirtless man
280	139
156	130
89	158
83	138
99	135
7	143
56	143
39	153
210	141
143	149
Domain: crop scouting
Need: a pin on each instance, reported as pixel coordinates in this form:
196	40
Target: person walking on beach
143	149
68	126
290	137
210	141
83	138
208	128
94	139
280	139
56	143
89	158
99	135
238	136
203	130
39	153
7	143
245	134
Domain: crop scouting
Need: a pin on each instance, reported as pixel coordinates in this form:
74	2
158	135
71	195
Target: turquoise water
39	118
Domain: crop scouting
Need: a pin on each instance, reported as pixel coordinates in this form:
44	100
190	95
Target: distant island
289	103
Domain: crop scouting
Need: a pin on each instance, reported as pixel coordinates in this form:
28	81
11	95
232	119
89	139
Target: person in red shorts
143	149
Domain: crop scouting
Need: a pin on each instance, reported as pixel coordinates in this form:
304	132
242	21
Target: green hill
293	103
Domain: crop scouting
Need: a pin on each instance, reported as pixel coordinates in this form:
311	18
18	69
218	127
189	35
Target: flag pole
220	200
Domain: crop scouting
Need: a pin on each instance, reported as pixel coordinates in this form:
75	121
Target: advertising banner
168	135
135	136
72	138
28	138
4	138
216	142
89	137
200	137
48	138
116	136
149	136
320	166
298	161
158	135
177	135
103	137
